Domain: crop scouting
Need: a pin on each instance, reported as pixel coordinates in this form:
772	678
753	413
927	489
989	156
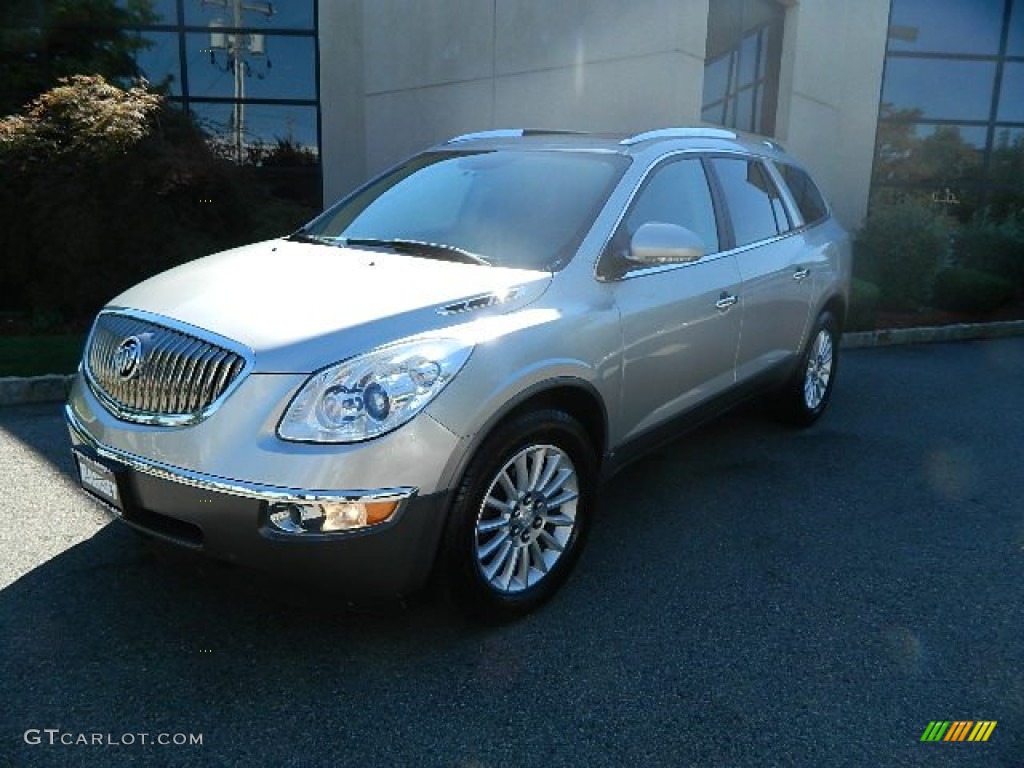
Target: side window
676	193
806	194
755	208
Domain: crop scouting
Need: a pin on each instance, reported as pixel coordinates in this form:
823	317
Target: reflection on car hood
301	306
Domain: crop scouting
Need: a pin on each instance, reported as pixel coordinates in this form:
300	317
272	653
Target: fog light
329	518
345	517
286	517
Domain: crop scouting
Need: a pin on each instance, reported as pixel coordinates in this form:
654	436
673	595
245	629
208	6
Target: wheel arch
836	305
574	396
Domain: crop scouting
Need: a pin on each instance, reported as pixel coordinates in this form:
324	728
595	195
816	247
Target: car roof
658	141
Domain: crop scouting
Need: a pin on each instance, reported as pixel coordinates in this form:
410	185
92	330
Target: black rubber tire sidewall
461	577
794	406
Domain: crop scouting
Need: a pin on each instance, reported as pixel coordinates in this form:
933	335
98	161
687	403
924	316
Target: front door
680	322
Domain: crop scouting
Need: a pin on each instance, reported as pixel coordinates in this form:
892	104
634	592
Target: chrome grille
174	377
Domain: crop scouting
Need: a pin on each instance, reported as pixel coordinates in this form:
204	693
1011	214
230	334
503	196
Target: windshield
511	208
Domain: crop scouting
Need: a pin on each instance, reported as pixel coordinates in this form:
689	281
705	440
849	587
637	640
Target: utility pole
239	47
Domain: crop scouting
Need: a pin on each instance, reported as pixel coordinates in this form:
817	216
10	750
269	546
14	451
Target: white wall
400	75
830	86
433	69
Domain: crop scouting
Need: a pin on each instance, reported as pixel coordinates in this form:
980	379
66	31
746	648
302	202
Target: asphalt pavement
750	596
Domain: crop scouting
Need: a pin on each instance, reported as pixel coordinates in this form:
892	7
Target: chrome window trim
269	493
829	213
796	217
657	163
699	153
159	419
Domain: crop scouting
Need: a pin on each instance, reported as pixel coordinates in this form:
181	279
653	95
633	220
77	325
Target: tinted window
805	193
754	205
520	209
677	193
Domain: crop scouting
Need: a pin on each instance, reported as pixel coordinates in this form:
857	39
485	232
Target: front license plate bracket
99	479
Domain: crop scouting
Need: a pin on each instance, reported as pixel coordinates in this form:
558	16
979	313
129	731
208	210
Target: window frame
605	269
794	218
782	183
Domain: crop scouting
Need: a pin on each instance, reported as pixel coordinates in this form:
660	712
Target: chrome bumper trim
226	485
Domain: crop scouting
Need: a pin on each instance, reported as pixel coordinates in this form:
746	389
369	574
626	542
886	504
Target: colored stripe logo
958	730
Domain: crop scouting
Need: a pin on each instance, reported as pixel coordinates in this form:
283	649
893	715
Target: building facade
876	96
871	94
808	73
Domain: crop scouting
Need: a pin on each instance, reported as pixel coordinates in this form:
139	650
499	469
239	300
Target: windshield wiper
302	236
421	247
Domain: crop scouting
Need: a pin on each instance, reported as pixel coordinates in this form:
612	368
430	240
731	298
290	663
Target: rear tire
520	517
805	396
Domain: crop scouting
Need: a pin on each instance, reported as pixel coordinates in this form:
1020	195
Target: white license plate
99	480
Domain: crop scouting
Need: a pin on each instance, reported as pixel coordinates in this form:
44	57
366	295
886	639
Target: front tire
804	398
520	516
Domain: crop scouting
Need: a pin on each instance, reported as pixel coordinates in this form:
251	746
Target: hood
302	306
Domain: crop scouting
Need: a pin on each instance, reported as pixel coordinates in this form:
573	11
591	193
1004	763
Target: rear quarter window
806	194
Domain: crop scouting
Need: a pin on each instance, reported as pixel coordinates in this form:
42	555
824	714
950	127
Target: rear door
772	261
680	325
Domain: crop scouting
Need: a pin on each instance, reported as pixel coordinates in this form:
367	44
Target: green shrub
104	187
994	246
864	297
967	290
900	248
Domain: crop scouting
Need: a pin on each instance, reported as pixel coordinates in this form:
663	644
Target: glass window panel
278	67
284	14
716	80
714	114
748	60
806	194
745	110
262	123
1008	159
1015	42
946	26
160	11
159	62
746	193
677	193
924	84
1011	99
975	136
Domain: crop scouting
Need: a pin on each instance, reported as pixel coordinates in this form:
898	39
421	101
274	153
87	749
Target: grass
39	355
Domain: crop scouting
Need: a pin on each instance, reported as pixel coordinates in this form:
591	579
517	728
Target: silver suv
431	378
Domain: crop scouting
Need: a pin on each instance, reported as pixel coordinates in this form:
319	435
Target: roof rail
680	133
510	133
500	133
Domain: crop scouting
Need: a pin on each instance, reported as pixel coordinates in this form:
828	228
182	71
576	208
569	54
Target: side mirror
659	243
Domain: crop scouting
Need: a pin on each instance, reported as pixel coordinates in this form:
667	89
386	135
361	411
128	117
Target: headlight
374	393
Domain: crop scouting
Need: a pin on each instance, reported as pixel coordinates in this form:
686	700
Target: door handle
801	273
726	301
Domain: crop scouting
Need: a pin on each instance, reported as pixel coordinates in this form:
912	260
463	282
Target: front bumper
228	519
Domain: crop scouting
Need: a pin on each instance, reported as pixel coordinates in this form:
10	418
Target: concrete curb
961	332
18	390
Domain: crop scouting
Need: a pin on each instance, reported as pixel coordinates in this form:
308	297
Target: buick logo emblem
128	357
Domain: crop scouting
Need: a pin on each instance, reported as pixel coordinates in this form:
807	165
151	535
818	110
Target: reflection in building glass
925	85
741	70
952	102
946	26
241	50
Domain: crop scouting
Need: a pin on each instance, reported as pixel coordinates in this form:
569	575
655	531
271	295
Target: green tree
104	186
42	41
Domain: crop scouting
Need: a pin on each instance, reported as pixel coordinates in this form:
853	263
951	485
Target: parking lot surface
751	596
